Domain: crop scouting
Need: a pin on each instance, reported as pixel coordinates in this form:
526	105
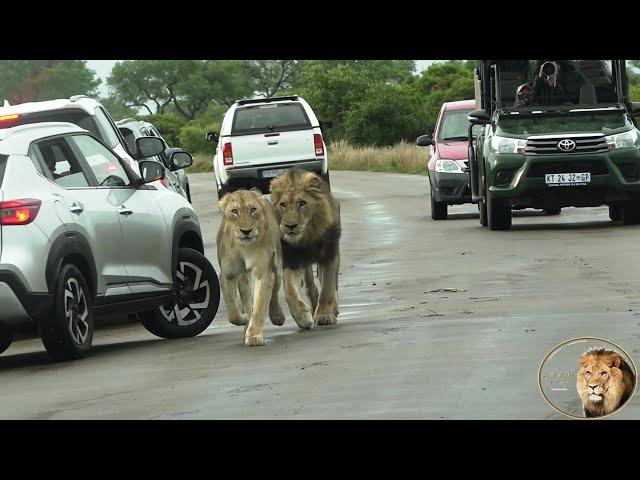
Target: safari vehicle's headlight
624	140
448	166
507	145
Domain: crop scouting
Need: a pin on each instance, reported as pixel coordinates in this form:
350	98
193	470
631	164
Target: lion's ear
256	191
313	184
614	360
583	360
223	203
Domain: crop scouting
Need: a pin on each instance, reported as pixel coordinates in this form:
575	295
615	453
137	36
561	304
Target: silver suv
75	225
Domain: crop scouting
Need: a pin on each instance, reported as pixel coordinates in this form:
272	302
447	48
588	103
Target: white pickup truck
262	138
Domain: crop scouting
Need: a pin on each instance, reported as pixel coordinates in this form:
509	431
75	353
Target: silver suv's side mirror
149	146
180	160
151	171
212	137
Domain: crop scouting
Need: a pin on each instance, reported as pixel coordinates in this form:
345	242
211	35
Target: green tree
442	82
185	86
273	76
35	80
335	87
117	110
386	116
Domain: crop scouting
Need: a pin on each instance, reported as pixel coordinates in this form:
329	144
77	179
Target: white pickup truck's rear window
277	117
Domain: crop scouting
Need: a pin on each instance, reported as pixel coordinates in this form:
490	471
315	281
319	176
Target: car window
455	126
275	117
36	160
110	136
60	163
104	164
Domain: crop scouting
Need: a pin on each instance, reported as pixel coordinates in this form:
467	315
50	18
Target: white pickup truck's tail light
227	154
19	212
318	144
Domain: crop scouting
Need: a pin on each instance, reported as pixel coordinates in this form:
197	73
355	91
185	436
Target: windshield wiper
459	137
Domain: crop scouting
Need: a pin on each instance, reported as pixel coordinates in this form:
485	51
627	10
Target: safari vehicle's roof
16	140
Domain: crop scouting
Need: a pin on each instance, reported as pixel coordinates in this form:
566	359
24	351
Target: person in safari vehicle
558	82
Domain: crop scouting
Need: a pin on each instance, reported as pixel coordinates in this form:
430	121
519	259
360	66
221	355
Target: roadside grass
403	157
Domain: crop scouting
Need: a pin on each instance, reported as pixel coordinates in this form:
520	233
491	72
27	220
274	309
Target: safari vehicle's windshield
525	84
608	123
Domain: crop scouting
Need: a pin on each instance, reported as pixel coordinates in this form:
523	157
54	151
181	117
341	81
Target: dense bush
193	136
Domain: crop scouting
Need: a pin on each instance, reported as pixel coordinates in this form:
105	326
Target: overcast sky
103	68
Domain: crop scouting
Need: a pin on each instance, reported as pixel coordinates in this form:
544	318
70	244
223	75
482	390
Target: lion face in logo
605	381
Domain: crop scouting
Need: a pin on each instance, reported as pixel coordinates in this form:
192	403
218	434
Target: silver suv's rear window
273	117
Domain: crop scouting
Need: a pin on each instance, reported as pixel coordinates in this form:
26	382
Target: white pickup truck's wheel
197	299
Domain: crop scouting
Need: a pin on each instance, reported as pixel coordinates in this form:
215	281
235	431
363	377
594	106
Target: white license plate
273	173
552	179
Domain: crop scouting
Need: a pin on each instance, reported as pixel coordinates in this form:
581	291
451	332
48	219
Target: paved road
397	352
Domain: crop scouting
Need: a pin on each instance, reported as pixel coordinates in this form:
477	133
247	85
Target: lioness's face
293	211
243	212
595	375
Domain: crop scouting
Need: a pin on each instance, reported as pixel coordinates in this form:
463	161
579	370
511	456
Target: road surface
398	351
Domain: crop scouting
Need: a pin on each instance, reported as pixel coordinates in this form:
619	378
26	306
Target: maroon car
449	143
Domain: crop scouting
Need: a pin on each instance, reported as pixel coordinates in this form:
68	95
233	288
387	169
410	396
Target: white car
82	234
80	110
262	138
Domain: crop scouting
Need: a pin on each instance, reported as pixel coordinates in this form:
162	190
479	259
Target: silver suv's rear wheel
68	332
6	337
196	303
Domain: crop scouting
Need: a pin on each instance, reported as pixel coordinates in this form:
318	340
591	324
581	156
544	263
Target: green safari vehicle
556	133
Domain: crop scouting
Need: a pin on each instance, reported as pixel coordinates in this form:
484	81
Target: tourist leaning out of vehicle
557	83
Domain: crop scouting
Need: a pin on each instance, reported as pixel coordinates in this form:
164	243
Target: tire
498	214
222	191
67	332
552	211
188	191
6	337
630	213
180	320
325	177
615	212
482	208
438	209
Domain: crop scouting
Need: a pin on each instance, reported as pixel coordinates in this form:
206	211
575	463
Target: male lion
249	242
605	381
309	220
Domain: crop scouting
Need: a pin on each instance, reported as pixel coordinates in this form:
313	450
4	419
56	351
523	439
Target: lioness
249	242
605	382
309	220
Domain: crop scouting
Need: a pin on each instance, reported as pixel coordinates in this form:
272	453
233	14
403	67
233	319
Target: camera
549	69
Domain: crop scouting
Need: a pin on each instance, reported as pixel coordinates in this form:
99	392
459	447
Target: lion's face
596	374
243	213
298	199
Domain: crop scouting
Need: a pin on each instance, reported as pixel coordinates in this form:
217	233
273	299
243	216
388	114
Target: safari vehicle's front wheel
552	211
6	337
498	214
196	302
67	332
630	213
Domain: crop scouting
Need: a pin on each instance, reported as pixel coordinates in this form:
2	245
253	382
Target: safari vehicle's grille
550	144
594	167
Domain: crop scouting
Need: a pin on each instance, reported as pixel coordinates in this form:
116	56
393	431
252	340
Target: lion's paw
304	320
254	340
277	317
325	318
241	319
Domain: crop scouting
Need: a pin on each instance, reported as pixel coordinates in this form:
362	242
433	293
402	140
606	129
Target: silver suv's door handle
124	210
76	208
